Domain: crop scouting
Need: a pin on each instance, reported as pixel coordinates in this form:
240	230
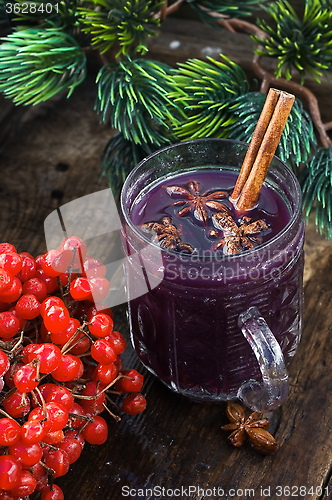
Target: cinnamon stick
262	147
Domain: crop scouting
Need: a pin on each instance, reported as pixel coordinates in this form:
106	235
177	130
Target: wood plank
180	40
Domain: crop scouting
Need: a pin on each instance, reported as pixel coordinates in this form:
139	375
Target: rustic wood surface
50	156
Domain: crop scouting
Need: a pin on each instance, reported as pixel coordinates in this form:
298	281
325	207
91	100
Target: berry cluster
59	366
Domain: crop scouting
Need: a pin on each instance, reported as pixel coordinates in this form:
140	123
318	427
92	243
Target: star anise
249	427
167	235
237	237
196	202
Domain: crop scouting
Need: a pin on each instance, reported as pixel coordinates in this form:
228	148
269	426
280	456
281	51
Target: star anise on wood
196	202
167	235
237	237
249	427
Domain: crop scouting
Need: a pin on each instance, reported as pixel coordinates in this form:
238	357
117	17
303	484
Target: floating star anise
249	427
197	202
237	237
167	235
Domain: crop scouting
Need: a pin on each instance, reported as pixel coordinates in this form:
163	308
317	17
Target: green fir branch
37	64
297	139
127	23
304	45
135	96
119	158
206	92
207	9
316	182
56	14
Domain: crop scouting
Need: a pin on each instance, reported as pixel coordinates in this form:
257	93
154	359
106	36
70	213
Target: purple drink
186	329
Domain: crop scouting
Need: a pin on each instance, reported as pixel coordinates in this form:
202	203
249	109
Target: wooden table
50	156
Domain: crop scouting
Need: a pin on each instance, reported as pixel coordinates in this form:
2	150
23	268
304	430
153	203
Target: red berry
118	341
91	390
26	378
49	356
69	368
38	415
76	423
28	270
133	383
6	280
50	283
10	472
103	352
17	405
62	337
100	325
28	307
4	363
9	431
55	262
60	394
27	455
118	364
58	415
13	293
53	437
49	302
134	403
80	289
9	325
26	485
25	353
35	287
23	322
32	432
82	346
74	243
11	262
72	447
96	432
7	247
58	461
100	288
53	492
101	308
56	318
93	268
105	373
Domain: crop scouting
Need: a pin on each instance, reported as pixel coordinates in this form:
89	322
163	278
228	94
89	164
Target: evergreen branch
297	138
209	10
120	156
206	92
305	46
37	64
316	182
135	95
61	14
127	23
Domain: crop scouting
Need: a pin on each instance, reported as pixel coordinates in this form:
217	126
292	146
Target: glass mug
229	332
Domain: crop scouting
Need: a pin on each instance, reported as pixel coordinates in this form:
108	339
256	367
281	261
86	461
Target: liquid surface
165	201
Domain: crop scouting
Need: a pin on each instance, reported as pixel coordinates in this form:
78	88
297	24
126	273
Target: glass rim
294	216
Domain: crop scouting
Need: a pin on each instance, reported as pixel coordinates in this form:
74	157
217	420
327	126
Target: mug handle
272	391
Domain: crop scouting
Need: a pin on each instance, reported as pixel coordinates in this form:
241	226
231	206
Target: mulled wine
214	265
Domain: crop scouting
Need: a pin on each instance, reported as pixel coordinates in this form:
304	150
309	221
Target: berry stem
48	469
113	382
116	417
6	414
